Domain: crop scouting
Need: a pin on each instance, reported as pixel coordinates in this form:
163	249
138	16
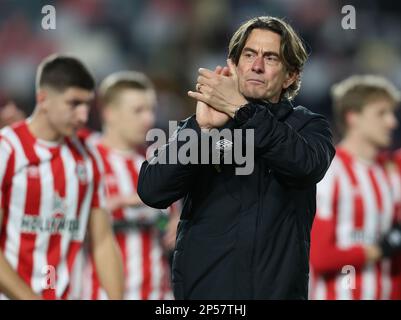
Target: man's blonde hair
355	92
114	84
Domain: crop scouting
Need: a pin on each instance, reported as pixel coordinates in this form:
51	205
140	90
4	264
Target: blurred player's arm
327	257
116	202
11	283
104	248
132	201
169	237
326	254
106	254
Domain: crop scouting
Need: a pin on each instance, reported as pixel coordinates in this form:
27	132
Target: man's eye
272	58
75	103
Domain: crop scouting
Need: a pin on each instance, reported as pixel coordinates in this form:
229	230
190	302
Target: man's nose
82	113
258	65
149	120
393	122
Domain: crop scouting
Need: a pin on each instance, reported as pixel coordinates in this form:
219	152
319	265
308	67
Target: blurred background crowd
170	40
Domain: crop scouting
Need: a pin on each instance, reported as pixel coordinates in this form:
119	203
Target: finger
205	81
232	67
226	72
197	96
218	70
206	73
205	89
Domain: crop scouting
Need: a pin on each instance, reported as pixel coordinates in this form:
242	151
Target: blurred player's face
10	114
375	123
67	111
261	72
132	115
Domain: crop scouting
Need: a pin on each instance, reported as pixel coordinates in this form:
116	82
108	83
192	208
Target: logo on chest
33	172
56	223
81	172
59	205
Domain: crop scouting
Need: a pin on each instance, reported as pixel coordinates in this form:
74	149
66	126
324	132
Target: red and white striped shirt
47	192
356	203
396	182
145	265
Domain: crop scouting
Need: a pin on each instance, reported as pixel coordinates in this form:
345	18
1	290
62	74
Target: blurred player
51	192
352	254
128	101
10	113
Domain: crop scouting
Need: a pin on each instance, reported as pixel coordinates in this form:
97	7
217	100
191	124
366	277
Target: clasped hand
219	89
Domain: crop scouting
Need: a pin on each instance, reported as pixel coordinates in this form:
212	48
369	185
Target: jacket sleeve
298	158
326	255
162	179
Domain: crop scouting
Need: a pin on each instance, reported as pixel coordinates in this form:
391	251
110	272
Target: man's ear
107	114
290	78
41	96
350	118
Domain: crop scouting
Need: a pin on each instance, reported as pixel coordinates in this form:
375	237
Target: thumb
232	67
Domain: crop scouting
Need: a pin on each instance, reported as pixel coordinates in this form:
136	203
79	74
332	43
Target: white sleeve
325	193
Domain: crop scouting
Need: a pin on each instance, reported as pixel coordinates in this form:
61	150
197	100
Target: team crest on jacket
81	172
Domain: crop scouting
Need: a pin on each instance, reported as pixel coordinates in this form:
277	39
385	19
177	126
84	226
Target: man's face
10	114
131	115
375	123
261	72
67	111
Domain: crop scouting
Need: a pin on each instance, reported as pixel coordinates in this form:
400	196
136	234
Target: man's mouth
255	81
